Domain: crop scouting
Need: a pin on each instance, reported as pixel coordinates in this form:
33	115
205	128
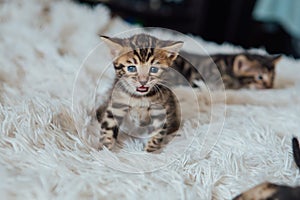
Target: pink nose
143	82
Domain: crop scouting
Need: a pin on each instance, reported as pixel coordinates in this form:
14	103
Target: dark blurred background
214	20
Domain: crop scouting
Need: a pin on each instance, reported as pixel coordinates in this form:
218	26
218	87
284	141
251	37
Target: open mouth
142	89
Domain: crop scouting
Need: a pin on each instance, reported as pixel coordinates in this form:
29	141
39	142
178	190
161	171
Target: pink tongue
142	89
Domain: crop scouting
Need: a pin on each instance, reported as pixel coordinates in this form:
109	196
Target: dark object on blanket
296	151
270	191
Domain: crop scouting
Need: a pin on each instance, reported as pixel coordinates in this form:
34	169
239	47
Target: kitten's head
255	71
140	60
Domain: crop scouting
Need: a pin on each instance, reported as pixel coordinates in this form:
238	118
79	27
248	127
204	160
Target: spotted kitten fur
139	62
242	70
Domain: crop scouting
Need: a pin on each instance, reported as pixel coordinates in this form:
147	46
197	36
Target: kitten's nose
143	82
268	86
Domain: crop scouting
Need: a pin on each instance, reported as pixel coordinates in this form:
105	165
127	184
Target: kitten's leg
112	119
155	143
166	123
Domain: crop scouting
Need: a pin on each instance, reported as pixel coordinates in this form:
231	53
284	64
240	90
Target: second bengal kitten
139	62
236	71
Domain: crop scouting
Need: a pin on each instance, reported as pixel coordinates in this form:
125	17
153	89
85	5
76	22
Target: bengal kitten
139	63
242	70
270	191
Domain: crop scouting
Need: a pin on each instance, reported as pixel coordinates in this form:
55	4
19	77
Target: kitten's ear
241	64
114	44
275	59
173	49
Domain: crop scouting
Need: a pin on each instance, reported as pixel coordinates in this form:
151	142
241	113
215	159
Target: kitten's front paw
151	147
107	142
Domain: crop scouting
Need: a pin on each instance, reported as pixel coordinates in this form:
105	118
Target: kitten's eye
260	77
153	70
131	68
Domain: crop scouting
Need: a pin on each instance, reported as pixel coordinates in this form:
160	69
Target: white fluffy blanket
53	74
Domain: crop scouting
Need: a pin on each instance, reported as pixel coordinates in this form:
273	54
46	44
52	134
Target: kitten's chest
121	97
139	102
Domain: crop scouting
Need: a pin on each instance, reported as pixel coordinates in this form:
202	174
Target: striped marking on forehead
261	60
143	46
143	55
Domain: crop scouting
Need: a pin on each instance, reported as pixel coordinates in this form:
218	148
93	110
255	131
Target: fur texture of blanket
54	72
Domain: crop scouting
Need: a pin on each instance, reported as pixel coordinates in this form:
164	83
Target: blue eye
131	68
153	70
